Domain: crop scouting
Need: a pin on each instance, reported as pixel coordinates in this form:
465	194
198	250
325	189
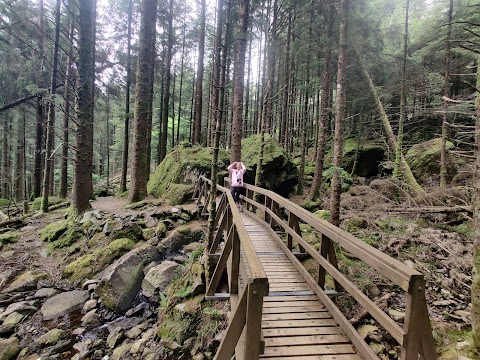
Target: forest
99	99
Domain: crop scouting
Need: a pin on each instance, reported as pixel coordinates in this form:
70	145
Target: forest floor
438	245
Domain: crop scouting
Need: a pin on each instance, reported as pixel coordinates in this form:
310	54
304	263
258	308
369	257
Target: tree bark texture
197	122
139	161
83	163
239	74
340	111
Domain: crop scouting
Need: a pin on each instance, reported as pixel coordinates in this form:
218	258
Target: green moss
323	214
311	236
90	264
393	225
4	202
9	237
447	344
354	224
467	229
250	148
53	231
52	200
137	205
179	167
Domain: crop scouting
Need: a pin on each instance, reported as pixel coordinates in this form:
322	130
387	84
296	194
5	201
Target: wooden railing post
257	289
235	270
419	339
268	205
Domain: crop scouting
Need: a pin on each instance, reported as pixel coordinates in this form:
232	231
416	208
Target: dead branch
381	303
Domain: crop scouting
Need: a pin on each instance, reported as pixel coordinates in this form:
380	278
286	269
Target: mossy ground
52	200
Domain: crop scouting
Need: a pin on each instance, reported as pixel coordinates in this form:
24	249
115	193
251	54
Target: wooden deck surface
295	324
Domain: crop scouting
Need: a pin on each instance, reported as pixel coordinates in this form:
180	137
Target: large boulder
424	160
173	178
180	237
366	156
279	173
9	348
122	280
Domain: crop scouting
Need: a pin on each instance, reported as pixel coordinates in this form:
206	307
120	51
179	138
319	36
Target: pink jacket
237	175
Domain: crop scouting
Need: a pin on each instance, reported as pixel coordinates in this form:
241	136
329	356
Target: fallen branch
381	303
432	209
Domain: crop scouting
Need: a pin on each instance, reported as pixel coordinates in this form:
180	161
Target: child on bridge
237	169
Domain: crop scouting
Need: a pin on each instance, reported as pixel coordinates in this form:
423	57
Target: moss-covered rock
130	230
25	282
9	237
279	173
9	348
90	264
53	231
424	160
173	178
52	200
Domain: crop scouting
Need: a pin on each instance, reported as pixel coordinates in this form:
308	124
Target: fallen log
432	209
381	303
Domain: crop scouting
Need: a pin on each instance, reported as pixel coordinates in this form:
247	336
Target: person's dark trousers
236	191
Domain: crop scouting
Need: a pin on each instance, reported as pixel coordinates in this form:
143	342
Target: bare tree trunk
443	153
37	189
51	117
324	106
83	163
5	159
283	124
398	150
239	75
66	114
20	161
123	179
166	95
476	217
143	98
340	112
197	124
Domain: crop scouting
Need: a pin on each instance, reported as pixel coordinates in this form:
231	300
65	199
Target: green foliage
393	225
250	148
345	177
466	229
53	231
4	202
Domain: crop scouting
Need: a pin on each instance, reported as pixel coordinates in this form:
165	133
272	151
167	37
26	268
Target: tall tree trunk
398	150
173	108
83	163
247	90
51	116
20	160
181	76
66	114
284	121
123	179
197	123
324	106
139	165
166	95
239	75
271	60
476	241
5	159
215	97
37	189
107	145
340	112
446	91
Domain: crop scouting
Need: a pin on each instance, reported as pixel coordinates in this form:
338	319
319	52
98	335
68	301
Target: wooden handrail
415	338
243	334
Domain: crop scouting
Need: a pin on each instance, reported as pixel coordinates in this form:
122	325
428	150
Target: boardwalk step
218	296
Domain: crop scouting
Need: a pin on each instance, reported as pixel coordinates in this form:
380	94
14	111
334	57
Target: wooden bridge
279	309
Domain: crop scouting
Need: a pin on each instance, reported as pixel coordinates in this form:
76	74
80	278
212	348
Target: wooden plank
297	316
307	340
317	357
291	304
297	323
290	298
291	310
308	350
278	332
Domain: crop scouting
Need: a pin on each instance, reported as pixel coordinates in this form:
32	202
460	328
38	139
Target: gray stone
50	338
9	348
13	319
46	293
82	349
115	337
89	305
7	330
22	307
158	278
91	319
63	303
25	282
192	247
94	216
396	315
121	281
121	351
137	330
139	345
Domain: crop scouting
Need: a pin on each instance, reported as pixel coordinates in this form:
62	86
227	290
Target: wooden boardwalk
295	323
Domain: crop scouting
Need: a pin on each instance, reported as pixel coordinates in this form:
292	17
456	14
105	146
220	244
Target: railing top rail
257	272
391	268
